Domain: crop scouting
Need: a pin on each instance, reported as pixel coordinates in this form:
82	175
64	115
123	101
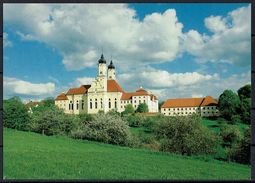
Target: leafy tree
230	135
46	104
160	104
129	109
104	128
241	151
185	135
245	110
15	114
244	92
142	108
229	104
51	122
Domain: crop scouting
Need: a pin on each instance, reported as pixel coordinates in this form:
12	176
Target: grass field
33	156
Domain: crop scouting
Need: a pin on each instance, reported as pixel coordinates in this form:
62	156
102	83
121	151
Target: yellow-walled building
104	94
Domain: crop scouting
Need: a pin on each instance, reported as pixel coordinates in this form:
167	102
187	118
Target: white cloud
161	78
195	95
6	41
230	41
14	86
79	32
82	81
177	85
216	24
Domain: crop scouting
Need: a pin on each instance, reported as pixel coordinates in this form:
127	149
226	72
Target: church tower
102	66
111	72
102	75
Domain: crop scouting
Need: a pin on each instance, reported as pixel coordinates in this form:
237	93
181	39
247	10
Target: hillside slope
33	156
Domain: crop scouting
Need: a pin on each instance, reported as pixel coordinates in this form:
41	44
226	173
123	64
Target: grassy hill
29	155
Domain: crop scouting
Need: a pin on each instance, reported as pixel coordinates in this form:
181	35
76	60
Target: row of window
216	112
92	104
194	108
77	105
127	102
101	104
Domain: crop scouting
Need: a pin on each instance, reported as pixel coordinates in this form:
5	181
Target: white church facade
104	94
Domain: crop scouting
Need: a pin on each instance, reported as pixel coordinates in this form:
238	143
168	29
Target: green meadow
29	155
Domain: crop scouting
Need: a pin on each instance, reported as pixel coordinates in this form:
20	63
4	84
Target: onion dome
111	66
102	60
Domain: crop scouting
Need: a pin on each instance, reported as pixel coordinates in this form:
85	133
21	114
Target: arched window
90	104
96	103
71	105
109	103
115	103
77	104
101	103
82	104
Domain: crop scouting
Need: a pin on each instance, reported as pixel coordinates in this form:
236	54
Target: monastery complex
105	94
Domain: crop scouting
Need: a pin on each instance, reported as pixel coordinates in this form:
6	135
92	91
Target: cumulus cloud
14	86
82	81
6	41
230	41
161	78
79	32
176	85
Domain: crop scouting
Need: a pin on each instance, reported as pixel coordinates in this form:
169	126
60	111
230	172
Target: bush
142	108
240	152
235	119
129	109
134	120
15	114
51	122
185	135
230	135
44	105
104	128
85	117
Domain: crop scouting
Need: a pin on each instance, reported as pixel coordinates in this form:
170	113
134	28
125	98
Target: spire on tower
111	66
102	59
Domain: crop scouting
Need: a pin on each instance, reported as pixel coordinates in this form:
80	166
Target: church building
104	94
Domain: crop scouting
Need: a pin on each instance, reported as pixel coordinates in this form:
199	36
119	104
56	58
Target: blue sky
172	50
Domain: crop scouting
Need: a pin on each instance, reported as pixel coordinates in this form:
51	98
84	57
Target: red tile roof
139	92
31	104
81	90
113	86
61	97
189	102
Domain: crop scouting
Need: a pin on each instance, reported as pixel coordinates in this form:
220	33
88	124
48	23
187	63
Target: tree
44	105
241	152
185	135
129	109
229	103
15	114
245	110
51	122
230	135
142	108
104	128
160	104
244	92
